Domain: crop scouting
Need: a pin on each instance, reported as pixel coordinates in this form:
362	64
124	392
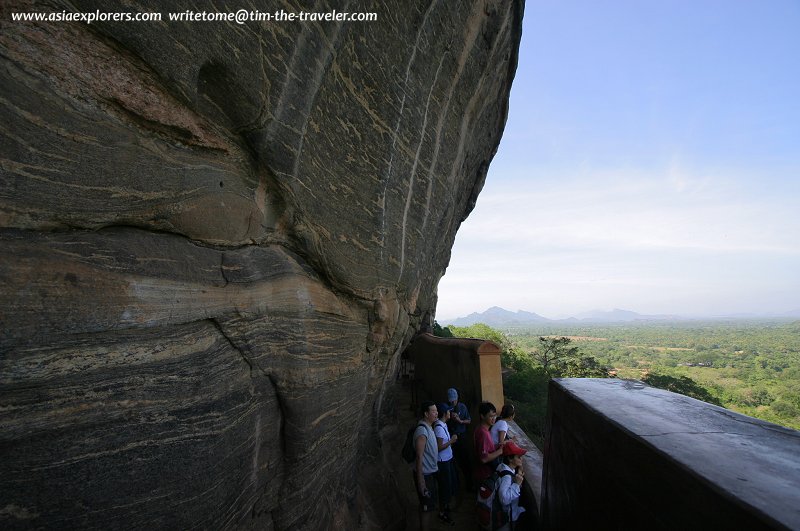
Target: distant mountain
621	316
496	316
791	314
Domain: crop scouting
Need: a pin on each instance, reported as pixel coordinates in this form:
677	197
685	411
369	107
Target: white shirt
509	492
440	429
500	425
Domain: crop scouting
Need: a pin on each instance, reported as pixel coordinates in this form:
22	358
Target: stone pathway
462	507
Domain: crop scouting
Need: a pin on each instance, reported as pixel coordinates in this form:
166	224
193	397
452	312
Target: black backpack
491	513
409	451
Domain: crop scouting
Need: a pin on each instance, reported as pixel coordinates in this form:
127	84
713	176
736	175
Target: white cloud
662	242
633	213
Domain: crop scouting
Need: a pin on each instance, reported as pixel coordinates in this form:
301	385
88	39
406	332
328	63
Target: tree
482	331
527	390
441	332
516	358
580	367
553	349
681	384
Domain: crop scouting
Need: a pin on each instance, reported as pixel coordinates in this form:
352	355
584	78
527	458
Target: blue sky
651	162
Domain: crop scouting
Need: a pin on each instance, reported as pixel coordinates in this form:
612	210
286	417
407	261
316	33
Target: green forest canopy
752	367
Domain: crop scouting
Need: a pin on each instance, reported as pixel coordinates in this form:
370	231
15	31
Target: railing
533	465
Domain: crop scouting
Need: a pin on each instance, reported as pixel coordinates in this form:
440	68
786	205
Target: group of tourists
440	444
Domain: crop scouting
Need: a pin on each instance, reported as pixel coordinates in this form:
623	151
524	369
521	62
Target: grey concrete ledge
664	460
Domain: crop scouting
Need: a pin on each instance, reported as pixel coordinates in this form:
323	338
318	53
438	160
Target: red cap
511	448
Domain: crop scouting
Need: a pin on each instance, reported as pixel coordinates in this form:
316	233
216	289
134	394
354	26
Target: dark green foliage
552	352
526	372
749	366
559	359
785	409
527	385
755	397
441	332
581	367
517	359
680	384
482	331
527	390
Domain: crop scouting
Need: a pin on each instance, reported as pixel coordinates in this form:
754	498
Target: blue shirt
456	428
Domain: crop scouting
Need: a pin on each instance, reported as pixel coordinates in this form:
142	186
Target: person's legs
462	458
445	485
455	480
427	504
445	490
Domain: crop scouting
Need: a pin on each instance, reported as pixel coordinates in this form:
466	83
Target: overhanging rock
216	240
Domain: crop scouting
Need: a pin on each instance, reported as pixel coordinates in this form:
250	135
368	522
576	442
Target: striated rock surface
216	240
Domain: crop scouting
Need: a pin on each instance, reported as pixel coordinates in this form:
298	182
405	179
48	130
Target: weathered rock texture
216	240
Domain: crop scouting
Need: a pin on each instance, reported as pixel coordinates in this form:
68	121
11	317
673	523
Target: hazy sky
651	162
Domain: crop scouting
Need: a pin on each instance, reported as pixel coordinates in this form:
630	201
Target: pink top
483	447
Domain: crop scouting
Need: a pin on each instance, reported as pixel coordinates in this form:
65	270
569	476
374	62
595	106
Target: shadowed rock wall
216	239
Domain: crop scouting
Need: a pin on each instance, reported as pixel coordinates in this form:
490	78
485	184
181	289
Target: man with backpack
425	463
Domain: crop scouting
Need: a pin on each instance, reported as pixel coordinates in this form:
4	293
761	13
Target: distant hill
621	316
496	316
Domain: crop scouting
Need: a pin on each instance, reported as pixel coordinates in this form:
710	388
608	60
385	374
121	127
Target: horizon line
772	314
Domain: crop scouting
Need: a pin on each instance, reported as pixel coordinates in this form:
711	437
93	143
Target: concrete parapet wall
622	455
533	465
471	365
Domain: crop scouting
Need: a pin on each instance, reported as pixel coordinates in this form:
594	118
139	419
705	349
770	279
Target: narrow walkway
462	507
462	510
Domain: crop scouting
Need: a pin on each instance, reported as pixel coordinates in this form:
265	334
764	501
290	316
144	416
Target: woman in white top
499	430
447	470
508	486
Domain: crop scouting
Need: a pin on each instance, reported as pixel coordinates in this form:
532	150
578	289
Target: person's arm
441	444
502	433
486	455
420	446
466	419
492	455
440	440
501	436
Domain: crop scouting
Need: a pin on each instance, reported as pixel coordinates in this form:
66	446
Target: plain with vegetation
752	367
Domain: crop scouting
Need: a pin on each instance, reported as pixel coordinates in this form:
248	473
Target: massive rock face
216	240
